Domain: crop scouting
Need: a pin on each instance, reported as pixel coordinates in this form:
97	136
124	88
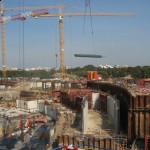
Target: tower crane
61	36
36	12
3	41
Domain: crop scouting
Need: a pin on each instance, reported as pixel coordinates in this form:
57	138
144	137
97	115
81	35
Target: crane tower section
3	42
61	35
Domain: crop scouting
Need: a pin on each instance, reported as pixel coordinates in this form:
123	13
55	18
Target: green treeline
136	72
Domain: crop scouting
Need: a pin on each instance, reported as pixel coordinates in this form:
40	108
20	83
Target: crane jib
25	15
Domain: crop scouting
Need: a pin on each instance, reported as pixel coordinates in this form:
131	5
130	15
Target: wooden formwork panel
102	143
138	106
92	143
142	99
148	123
108	143
139	116
97	143
141	124
147	103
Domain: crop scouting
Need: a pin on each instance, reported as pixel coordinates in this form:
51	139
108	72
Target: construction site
84	115
63	113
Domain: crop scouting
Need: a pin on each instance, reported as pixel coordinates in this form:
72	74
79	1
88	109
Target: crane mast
61	38
3	41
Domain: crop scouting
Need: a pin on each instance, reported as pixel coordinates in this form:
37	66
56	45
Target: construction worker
120	147
65	147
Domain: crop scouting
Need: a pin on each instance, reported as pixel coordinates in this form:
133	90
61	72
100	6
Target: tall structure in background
61	35
36	13
61	40
3	40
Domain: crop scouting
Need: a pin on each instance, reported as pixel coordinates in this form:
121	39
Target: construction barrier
92	75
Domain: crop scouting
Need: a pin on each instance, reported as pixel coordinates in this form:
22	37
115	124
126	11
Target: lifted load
88	55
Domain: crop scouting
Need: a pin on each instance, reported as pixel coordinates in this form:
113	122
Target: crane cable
70	37
84	15
92	25
23	59
19	38
19	59
88	4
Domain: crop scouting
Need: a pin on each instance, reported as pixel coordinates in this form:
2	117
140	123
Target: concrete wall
46	85
84	114
111	106
36	84
31	105
113	111
41	107
57	85
32	85
95	101
69	85
51	112
21	104
39	84
2	87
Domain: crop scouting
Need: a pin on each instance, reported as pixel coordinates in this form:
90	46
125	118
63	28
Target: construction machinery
61	37
36	11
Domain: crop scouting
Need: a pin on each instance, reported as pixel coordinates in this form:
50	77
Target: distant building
105	66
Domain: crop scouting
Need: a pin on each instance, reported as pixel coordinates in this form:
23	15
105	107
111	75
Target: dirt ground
99	124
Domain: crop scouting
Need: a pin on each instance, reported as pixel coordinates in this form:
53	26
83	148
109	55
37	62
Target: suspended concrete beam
88	55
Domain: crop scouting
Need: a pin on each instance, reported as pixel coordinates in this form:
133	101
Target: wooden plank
142	124
129	125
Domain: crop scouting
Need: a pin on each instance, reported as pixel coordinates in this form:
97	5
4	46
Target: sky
121	40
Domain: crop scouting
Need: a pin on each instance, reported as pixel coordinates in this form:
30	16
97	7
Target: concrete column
84	115
118	116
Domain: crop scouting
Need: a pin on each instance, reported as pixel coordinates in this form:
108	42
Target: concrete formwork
139	116
92	143
134	110
103	101
73	98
